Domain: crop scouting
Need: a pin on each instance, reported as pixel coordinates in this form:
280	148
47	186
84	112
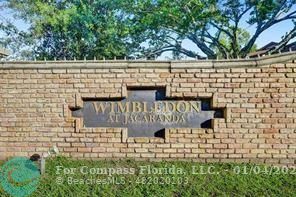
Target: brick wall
259	124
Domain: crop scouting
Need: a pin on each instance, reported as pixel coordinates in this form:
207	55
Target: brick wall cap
124	64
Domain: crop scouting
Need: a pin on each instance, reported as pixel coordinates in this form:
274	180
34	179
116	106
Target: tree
77	28
16	42
211	25
109	28
242	36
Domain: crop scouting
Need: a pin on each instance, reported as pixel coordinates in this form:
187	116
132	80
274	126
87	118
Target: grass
227	182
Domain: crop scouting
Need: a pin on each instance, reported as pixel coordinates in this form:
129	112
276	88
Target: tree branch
261	29
244	12
200	44
172	48
285	40
215	41
221	29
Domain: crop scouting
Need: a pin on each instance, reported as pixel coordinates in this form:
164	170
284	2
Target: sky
272	34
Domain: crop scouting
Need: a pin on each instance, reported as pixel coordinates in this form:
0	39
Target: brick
141	150
171	150
147	155
84	150
162	155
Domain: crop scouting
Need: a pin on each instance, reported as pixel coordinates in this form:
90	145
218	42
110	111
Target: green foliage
77	28
226	183
108	28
